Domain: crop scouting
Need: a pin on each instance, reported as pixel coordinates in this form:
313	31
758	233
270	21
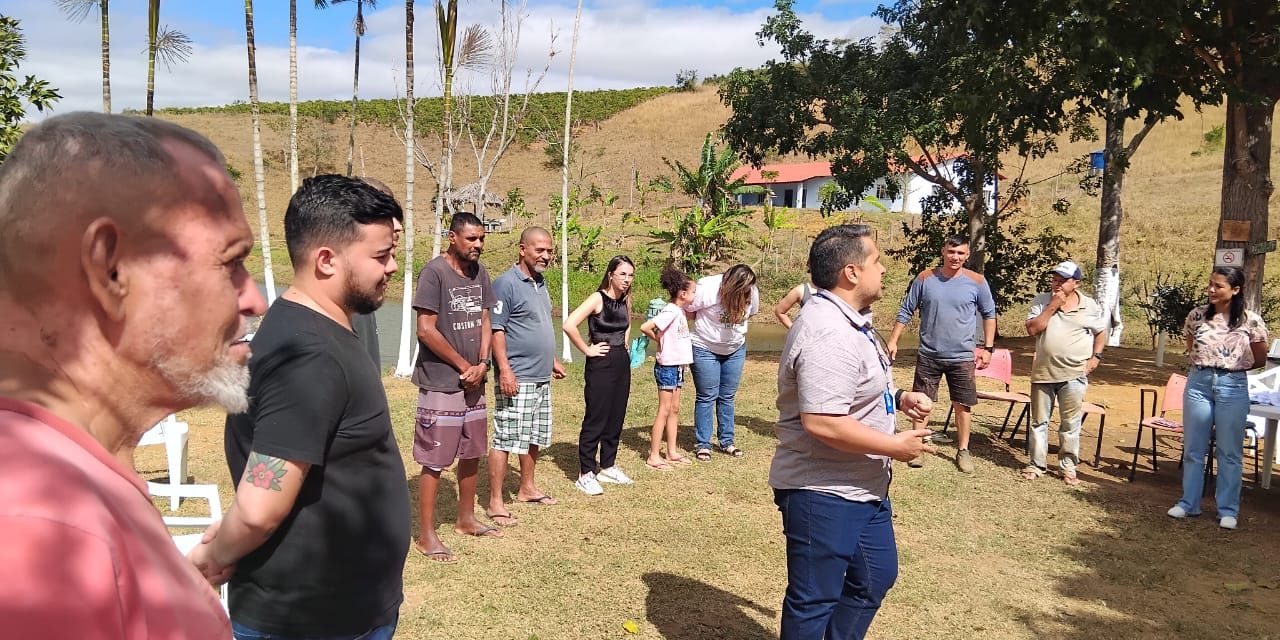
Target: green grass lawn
697	552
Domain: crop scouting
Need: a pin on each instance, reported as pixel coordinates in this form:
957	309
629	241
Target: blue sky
624	43
331	27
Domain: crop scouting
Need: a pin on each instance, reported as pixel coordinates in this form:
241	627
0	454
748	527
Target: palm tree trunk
153	29
408	337
567	354
293	96
258	178
355	87
106	59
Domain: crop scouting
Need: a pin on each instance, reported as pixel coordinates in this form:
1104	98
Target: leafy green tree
926	93
1236	45
15	95
1106	63
1018	259
1137	58
705	232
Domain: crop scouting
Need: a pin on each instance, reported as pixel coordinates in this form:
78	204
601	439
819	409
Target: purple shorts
450	426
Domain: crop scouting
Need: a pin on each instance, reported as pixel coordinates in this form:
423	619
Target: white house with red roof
798	185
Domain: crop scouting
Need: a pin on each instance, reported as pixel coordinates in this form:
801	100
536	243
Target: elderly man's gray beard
226	385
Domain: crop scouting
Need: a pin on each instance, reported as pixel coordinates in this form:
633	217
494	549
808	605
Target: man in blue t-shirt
524	352
949	298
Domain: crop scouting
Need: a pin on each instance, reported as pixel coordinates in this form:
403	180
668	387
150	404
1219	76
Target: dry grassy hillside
670	126
1171	195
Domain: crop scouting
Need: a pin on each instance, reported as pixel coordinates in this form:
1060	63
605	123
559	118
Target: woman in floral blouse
1225	340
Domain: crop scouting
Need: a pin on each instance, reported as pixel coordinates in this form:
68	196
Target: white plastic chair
173	435
187	542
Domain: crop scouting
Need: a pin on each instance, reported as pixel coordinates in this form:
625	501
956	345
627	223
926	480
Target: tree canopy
928	91
15	96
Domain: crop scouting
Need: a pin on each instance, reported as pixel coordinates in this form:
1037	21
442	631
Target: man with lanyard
836	443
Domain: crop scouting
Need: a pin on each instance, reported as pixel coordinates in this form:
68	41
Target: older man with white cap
1070	330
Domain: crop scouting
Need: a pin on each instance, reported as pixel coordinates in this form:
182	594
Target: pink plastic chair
1147	418
1001	370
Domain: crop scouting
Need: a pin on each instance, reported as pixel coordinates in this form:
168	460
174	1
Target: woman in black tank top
608	374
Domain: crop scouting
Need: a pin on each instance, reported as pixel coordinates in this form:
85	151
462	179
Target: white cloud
627	43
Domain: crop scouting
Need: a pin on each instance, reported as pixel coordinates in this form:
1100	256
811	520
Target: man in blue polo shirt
949	298
524	353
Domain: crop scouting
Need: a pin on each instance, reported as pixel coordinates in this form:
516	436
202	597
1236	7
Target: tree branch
1137	139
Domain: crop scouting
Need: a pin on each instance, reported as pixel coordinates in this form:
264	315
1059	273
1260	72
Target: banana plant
705	232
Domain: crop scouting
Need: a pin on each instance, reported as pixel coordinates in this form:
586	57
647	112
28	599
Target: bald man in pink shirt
124	297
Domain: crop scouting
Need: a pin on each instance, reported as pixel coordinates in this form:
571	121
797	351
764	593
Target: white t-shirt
710	331
676	344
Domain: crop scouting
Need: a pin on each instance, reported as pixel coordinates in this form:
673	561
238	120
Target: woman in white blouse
721	309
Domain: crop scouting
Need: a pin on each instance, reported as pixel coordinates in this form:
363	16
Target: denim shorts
669	378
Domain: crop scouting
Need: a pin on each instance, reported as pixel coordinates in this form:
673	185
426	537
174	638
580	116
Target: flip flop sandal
443	556
511	520
543	500
483	532
661	466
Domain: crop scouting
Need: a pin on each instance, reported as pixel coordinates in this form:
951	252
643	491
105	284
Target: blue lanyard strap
881	354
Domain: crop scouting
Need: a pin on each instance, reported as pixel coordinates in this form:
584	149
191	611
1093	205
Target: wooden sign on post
1236	230
1260	248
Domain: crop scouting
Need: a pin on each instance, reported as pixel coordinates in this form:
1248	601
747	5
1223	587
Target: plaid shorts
524	419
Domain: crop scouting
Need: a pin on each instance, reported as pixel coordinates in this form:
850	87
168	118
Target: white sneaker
613	475
1176	511
587	484
1227	522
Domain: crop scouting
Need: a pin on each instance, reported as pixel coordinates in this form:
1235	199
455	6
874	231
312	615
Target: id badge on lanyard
883	357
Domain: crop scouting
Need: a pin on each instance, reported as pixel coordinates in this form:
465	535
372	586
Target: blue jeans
1069	396
841	561
716	378
1214	400
385	632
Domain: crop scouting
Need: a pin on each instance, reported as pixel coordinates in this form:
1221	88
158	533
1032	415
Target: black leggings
608	386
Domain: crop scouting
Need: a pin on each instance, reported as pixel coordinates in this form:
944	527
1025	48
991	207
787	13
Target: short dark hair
955	241
834	248
463	219
327	210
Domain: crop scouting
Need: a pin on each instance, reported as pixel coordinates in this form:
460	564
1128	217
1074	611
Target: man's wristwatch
1098	356
987	348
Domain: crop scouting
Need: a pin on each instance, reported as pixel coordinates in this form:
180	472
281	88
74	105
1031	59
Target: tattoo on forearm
264	472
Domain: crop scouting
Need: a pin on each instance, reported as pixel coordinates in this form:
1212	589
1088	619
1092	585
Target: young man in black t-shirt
320	524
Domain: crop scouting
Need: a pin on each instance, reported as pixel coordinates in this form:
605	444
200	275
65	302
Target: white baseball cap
1068	269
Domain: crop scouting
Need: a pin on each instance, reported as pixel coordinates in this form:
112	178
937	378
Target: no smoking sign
1228	258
